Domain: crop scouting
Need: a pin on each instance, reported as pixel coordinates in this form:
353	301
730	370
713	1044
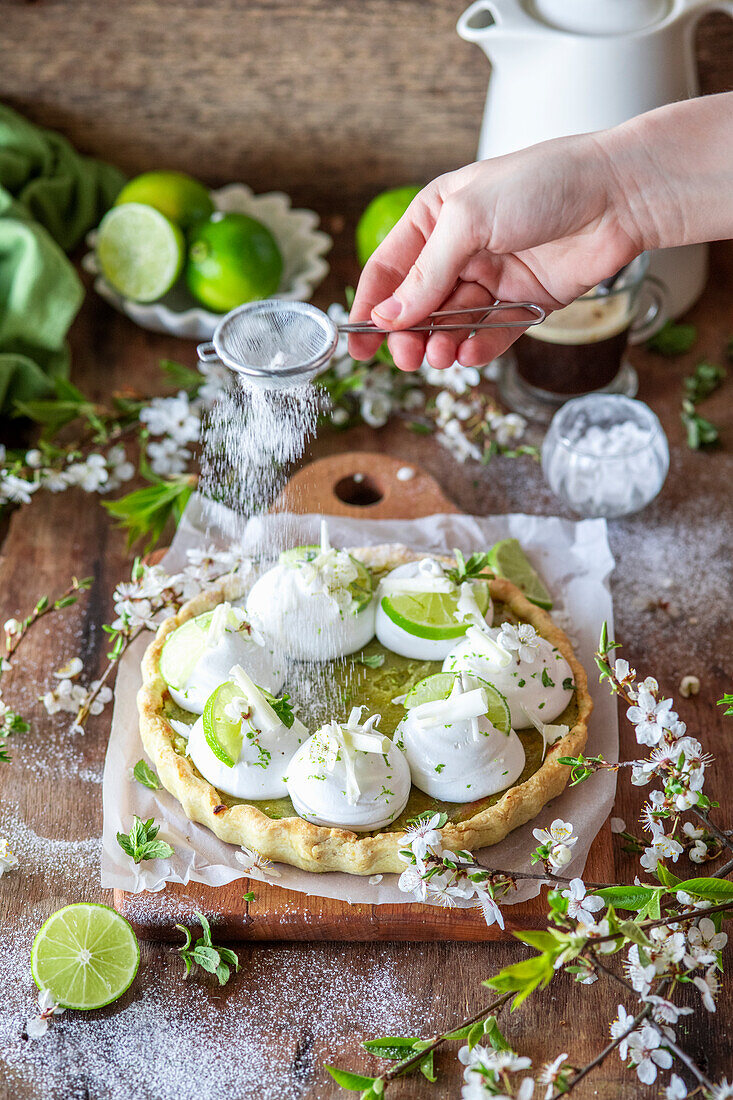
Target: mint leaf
673	339
145	775
546	680
706	379
140	843
212	959
282	707
371	660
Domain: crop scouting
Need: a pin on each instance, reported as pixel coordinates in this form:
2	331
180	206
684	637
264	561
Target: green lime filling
376	688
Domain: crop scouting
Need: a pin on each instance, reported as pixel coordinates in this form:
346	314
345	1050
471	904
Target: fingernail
389	309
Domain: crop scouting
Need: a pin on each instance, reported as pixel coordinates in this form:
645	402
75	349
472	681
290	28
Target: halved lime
223	736
508	560
432	614
362	588
180	197
86	955
440	685
183	648
140	251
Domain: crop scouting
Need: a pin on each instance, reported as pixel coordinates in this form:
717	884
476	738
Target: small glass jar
605	455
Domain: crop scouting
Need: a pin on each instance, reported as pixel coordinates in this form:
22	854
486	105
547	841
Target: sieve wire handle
206	352
538	316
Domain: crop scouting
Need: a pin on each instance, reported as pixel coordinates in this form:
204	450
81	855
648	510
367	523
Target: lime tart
429	689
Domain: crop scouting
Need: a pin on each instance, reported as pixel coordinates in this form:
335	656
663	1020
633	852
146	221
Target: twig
44	607
578	1077
674	918
417	1057
677	1051
83	712
549	879
719	835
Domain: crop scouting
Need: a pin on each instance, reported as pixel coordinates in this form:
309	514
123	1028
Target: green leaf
673	339
706	379
206	927
182	377
427	1067
145	512
627	897
632	932
712	889
222	972
524	977
494	1034
187	934
228	956
206	957
145	775
282	706
700	432
726	701
352	1081
395	1047
666	877
140	842
475	1034
371	660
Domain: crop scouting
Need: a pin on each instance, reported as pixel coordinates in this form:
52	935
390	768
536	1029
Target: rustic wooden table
293	1008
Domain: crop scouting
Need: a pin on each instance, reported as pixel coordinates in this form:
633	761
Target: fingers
442	347
388	265
435	270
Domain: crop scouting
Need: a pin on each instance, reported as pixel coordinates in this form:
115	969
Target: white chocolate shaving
267	718
488	648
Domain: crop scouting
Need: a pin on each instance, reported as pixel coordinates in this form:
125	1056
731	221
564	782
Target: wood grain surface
389	94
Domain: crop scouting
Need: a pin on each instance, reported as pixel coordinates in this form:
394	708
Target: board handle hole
359	490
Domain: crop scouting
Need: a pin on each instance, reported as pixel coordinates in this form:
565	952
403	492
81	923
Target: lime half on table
85	955
508	560
140	252
439	686
432	614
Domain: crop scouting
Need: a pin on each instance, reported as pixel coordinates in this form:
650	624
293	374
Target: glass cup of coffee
582	348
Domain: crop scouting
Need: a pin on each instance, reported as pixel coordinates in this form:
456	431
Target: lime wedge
223	736
362	588
140	251
182	650
85	955
508	560
432	614
440	685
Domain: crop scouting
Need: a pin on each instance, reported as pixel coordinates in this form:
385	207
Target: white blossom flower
619	1027
676	1089
691	902
559	832
16	490
647	1054
618	825
708	987
339	417
71	669
522	640
424	837
457	378
55	481
8	859
704	943
167	457
119	468
722	1091
507	428
90	475
580	906
33	458
650	717
375	409
491	912
413	399
411	881
623	671
454	439
172	417
497	1061
560	856
664	1011
640	976
37	1026
662	847
253	862
550	1073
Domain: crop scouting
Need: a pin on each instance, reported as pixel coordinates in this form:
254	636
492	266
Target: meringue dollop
348	775
529	671
454	752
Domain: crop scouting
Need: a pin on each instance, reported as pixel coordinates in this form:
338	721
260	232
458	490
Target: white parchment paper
576	562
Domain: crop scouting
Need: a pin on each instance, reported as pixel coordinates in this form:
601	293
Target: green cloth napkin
50	196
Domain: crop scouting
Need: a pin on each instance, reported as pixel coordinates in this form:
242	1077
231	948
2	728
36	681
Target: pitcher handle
642	328
489	17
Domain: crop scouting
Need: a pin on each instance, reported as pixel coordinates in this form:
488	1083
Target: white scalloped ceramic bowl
303	248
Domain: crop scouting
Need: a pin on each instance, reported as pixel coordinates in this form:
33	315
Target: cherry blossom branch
723	838
571	1082
670	1043
16	631
83	712
676	918
415	1059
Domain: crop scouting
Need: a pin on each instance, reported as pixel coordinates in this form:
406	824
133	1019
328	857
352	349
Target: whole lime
232	259
381	216
182	199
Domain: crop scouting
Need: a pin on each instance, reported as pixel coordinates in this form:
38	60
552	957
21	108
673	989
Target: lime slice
140	251
362	588
85	955
440	685
182	650
432	614
223	737
508	560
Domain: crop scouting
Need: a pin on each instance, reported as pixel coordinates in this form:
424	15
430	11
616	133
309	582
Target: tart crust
317	848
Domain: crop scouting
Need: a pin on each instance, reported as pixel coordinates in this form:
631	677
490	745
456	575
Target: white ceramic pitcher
562	67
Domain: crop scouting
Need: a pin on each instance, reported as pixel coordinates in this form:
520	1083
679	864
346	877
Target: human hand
543	225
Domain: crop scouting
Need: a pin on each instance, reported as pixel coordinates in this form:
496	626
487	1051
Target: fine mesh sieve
279	343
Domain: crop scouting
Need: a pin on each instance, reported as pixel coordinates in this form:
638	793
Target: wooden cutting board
368	486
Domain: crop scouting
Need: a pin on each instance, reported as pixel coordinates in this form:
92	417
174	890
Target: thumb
433	275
